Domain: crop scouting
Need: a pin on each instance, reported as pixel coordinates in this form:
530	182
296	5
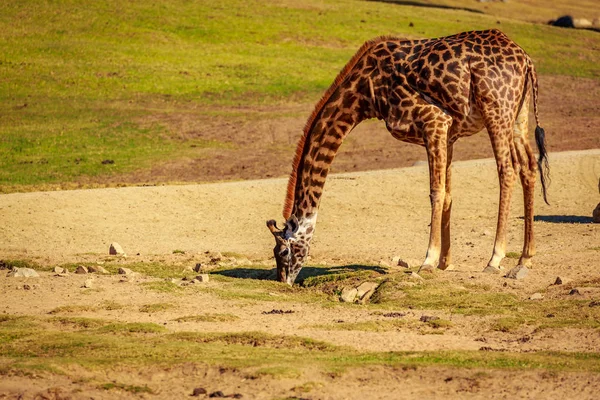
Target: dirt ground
261	142
365	218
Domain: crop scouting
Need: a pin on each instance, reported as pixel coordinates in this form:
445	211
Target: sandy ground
365	217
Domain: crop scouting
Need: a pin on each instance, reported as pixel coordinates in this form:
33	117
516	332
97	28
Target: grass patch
86	94
163	287
127	388
156	307
365	326
208	318
78	323
513	255
134	327
10	264
71	309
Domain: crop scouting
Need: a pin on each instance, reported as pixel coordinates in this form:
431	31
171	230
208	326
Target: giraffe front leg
445	256
436	145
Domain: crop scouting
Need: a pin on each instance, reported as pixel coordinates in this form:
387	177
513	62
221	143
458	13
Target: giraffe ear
272	225
291	226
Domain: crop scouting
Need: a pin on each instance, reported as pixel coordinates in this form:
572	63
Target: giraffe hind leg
527	172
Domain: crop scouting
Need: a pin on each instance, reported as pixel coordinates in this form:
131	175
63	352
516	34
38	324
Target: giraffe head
291	248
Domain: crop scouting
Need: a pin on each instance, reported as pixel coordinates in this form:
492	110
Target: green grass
156	307
38	346
97	82
209	317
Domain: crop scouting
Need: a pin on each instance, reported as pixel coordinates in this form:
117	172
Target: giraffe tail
540	136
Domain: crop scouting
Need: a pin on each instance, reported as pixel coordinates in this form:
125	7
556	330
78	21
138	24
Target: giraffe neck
337	118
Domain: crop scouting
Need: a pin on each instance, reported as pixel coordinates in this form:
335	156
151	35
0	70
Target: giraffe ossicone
429	92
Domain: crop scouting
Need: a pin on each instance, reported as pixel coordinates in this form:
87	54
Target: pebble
366	290
536	296
59	270
22	273
414	275
97	269
202	278
518	272
399	262
116	250
198	267
88	284
560	280
198	391
81	270
348	294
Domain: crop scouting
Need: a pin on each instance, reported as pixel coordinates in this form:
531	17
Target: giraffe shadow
307	272
563	219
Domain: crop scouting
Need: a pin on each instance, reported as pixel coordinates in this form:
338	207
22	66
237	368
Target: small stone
575	292
365	291
58	270
97	269
399	262
518	272
198	391
218	393
198	267
26	287
486	232
384	264
596	214
491	270
202	278
414	275
81	270
126	271
215	257
348	294
22	273
536	296
116	249
595	303
88	284
428	318
188	268
560	280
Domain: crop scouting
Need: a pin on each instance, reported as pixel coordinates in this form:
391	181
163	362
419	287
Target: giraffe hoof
426	268
447	267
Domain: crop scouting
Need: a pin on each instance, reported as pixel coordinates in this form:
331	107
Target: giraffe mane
300	149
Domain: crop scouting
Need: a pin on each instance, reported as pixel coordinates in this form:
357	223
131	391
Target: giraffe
429	92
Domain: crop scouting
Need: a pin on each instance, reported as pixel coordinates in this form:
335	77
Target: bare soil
365	218
261	140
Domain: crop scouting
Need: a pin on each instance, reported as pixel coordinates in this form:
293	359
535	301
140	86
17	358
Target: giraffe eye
284	252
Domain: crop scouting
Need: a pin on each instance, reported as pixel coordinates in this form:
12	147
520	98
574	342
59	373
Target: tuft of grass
156	307
127	388
163	287
178	252
71	309
78	323
133	327
365	326
10	264
513	254
208	318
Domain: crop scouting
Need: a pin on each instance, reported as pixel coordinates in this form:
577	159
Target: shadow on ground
563	219
307	272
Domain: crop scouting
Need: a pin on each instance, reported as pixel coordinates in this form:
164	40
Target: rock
566	21
595	303
582	23
384	264
518	272
365	291
97	269
218	393
414	275
536	296
596	214
561	281
126	271
26	287
88	284
198	391
198	267
214	257
188	268
202	278
81	270
116	249
399	262
575	292
22	273
348	294
59	270
491	270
